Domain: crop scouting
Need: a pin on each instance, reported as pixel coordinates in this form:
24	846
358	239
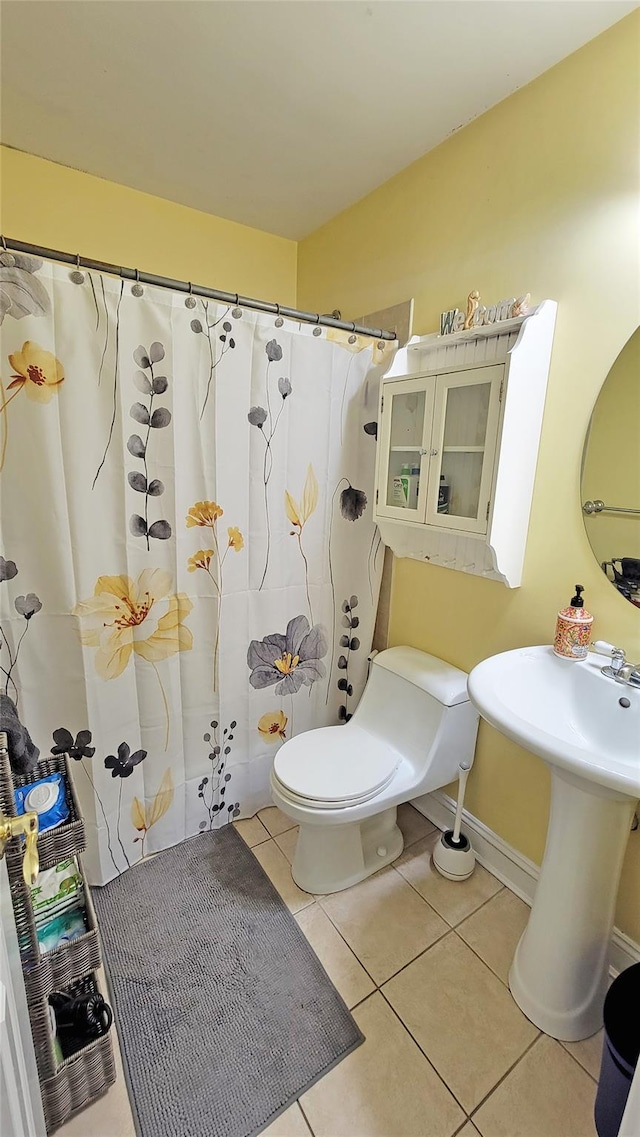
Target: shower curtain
189	568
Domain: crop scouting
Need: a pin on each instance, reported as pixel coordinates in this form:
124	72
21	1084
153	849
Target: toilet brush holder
454	859
453	855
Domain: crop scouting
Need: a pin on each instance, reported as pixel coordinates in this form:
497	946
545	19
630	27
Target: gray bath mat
225	1016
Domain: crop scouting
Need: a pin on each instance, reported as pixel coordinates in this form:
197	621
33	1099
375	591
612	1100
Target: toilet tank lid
445	683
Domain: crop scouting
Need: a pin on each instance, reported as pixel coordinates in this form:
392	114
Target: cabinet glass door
464	440
406	414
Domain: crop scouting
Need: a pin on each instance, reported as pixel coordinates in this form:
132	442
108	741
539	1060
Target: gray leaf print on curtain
154	419
21	293
227	341
267	423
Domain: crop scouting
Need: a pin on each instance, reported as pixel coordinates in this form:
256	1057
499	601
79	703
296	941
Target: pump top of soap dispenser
576	609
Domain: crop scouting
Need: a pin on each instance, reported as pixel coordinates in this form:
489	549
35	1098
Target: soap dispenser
573	629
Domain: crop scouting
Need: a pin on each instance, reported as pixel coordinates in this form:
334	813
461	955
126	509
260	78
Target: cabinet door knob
433	453
423	452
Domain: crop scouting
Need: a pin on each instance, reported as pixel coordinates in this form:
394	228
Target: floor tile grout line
306	1119
404	965
583	1068
502	889
363	1000
505	983
467	1121
353	953
280	834
517	1062
254	818
425	1055
434	909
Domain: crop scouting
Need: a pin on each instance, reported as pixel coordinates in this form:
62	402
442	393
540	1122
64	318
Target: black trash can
620	1050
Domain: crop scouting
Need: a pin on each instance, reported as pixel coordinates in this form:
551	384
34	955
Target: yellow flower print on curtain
272	726
299	514
205	515
236	541
142	617
142	821
36	372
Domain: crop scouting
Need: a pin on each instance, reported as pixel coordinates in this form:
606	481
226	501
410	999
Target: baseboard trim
510	866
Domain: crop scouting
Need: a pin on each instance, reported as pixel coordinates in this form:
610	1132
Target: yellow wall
612	461
540	194
51	205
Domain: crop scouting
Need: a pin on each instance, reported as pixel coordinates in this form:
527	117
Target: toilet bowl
342	785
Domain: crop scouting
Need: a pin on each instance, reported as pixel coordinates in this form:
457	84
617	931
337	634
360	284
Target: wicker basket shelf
54	845
79	1081
69	1085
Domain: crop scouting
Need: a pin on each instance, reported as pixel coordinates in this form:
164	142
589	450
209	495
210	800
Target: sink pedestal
559	972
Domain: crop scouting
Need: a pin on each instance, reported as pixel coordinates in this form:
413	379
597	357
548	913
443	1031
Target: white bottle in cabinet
467	407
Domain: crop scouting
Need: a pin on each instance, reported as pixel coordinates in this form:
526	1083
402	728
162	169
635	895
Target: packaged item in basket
47	797
56	891
61	930
81	1017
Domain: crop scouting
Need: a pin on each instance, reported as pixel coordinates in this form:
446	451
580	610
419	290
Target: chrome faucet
618	668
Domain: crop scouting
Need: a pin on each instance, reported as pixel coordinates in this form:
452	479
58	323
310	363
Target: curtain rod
194	289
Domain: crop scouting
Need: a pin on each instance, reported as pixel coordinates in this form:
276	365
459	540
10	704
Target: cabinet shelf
406	449
463	449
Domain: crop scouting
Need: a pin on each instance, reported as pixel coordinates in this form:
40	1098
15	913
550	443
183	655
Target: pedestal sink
586	727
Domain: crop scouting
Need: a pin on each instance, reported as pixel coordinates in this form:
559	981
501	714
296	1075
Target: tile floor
422	963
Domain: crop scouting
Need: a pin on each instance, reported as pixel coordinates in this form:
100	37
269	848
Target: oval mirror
611	474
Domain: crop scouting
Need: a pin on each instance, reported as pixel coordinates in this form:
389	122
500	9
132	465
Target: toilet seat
333	767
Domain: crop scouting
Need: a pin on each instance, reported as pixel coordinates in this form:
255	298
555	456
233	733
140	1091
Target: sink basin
586	727
564	711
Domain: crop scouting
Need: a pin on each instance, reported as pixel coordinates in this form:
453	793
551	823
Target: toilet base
329	858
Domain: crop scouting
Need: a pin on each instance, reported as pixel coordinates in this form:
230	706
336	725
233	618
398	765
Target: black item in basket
82	1016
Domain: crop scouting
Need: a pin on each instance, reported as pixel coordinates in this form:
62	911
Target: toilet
342	785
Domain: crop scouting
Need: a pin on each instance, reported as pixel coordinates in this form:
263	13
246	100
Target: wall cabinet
458	434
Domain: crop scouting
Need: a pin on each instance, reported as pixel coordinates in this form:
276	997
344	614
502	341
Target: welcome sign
455	320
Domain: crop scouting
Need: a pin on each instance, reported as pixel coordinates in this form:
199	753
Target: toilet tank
420	706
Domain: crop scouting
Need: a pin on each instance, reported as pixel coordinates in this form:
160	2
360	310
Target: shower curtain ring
4	243
76	276
317	331
278	321
190	300
137	289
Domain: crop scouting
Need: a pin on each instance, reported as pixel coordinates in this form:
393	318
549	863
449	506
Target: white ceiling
275	114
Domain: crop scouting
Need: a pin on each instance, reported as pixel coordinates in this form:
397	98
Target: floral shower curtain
189	569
